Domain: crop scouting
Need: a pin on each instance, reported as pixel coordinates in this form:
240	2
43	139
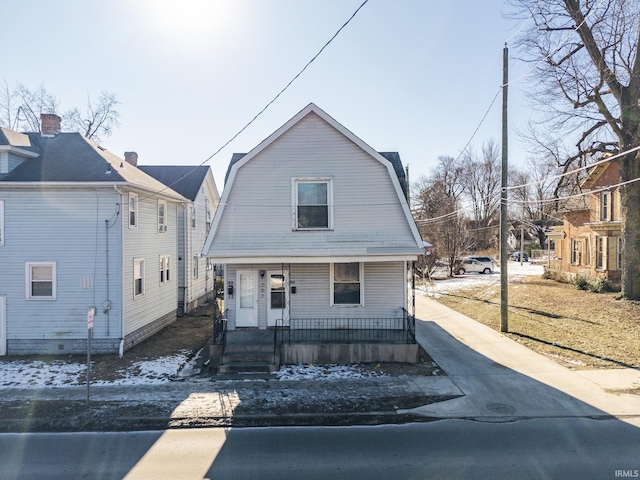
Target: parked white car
469	265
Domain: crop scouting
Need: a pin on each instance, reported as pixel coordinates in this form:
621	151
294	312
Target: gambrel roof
312	143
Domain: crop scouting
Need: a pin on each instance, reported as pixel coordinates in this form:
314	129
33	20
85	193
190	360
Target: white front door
247	298
278	298
3	325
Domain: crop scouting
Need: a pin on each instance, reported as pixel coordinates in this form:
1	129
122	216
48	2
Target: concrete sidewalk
501	379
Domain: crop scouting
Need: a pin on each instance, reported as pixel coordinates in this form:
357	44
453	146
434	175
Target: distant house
315	232
195	273
589	243
81	228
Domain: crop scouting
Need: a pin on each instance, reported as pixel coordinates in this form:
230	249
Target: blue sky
413	76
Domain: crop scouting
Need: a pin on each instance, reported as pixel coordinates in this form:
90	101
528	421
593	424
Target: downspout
121	346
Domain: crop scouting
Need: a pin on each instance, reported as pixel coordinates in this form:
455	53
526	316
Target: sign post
91	312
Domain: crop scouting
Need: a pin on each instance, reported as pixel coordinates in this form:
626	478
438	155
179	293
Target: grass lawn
579	329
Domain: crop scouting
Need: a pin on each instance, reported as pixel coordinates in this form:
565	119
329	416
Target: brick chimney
50	123
132	158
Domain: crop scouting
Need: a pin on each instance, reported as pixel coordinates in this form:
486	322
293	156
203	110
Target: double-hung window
133	210
196	259
138	277
162	216
600	252
40	280
165	262
313	203
193	216
346	284
605	206
619	253
575	252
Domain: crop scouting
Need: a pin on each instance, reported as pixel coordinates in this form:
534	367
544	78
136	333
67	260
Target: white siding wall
367	209
384	288
66	226
147	243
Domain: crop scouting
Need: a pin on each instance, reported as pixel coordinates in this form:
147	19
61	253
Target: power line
270	102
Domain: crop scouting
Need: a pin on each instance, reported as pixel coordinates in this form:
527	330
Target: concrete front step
247	367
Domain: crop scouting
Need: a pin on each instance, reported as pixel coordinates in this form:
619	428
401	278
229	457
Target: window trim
165	269
575	251
2	232
28	280
601	248
193	216
295	181
605	206
332	286
162	220
134	197
142	277
195	266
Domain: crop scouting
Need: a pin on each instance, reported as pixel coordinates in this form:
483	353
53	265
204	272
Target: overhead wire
268	103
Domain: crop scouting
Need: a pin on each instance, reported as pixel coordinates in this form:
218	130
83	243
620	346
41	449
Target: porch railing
347	330
220	331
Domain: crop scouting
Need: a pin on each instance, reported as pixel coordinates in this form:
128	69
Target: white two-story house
81	228
315	232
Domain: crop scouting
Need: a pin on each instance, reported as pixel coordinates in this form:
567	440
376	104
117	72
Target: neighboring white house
196	279
80	228
314	227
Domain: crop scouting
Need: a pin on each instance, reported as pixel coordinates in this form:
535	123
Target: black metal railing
220	331
410	326
347	330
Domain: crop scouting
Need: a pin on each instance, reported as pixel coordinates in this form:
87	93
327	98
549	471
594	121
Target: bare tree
588	83
481	182
97	120
20	110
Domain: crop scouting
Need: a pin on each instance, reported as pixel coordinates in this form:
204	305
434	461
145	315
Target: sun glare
187	23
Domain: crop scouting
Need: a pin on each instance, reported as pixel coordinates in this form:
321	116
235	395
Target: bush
581	283
599	285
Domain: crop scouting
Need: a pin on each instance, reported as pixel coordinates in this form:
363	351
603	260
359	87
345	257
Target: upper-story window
162	216
40	280
138	277
313	203
606	207
133	210
193	216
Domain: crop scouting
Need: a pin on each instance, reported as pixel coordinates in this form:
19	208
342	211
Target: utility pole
504	279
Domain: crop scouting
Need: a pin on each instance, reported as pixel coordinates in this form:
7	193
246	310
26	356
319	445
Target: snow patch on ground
323	372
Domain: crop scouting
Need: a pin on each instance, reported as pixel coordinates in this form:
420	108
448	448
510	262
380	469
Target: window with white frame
313	203
1	223
605	206
162	216
138	277
600	252
575	251
165	270
619	253
196	259
346	284
193	216
133	210
208	214
40	280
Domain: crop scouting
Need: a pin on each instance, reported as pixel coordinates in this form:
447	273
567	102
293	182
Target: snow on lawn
60	373
322	372
473	280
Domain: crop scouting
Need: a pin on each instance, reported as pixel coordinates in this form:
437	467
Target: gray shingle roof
70	157
186	180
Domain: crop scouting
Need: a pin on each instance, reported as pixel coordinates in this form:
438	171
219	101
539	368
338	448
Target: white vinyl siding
133	210
1	223
40	280
366	210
